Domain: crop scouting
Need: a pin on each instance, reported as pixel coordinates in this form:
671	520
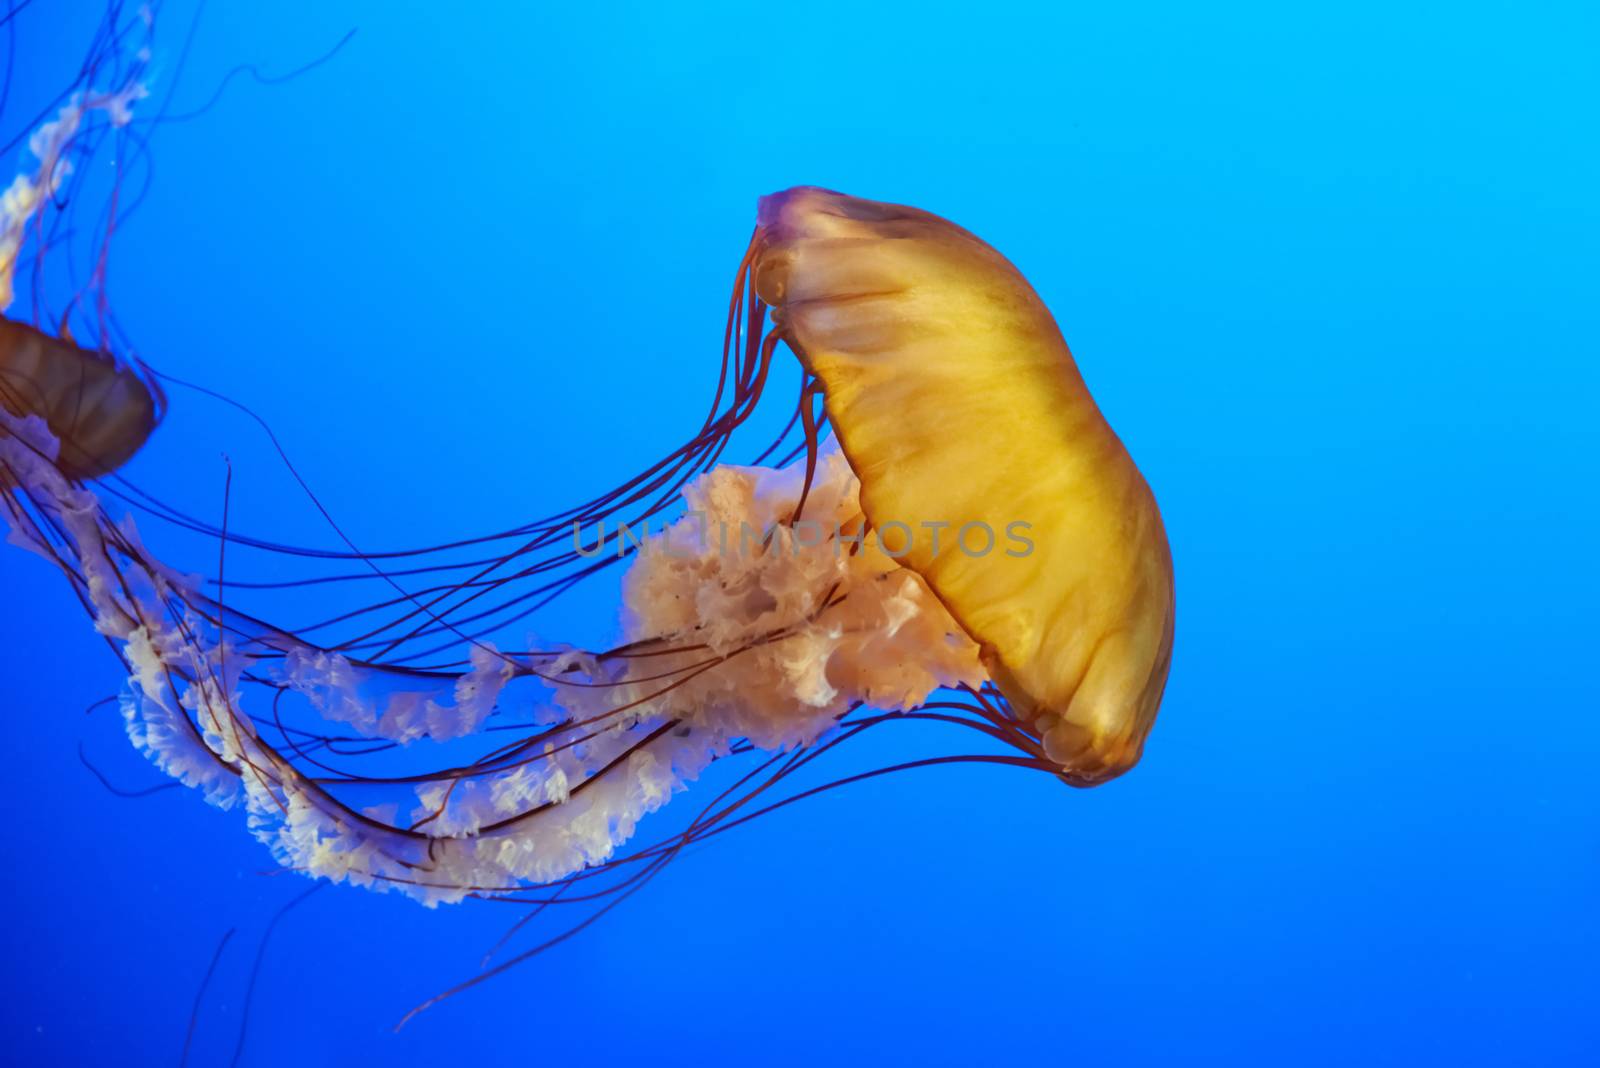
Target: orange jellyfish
971	544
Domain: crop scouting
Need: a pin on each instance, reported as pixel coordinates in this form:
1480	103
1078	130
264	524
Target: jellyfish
948	530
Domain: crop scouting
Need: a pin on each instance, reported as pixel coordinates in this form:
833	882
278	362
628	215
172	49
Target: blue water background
1330	271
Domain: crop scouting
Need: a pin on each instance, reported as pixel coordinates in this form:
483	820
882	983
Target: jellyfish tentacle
808	392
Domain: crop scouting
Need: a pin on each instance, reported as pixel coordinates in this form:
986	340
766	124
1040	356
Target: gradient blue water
1331	273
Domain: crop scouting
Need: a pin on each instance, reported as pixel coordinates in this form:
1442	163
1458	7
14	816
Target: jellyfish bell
99	411
957	401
